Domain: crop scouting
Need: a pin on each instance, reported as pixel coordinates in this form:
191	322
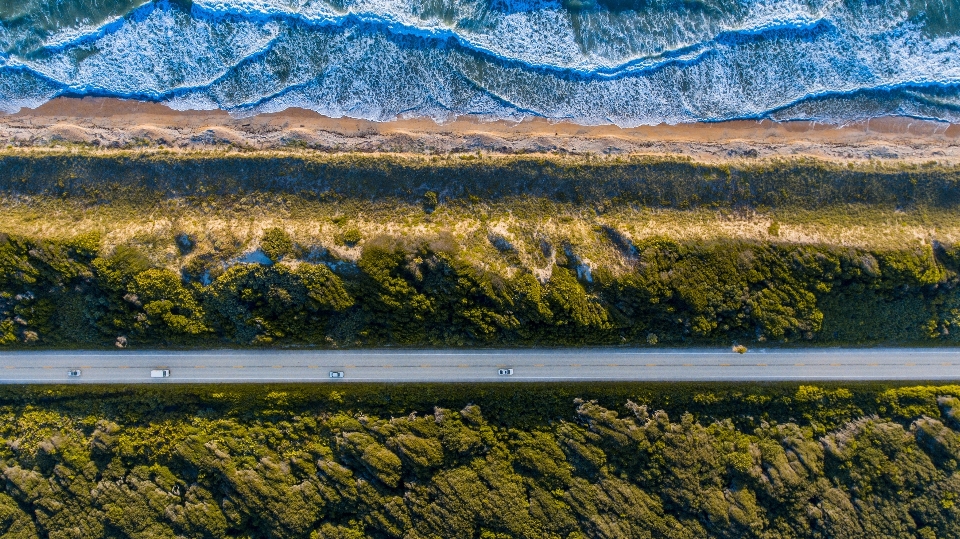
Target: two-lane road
533	365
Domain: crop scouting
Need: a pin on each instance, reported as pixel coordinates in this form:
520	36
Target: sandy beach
112	123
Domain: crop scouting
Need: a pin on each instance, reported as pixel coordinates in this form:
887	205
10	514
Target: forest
482	461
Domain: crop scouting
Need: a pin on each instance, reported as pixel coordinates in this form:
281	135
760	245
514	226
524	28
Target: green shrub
430	201
774	229
276	243
253	304
166	301
351	236
422	292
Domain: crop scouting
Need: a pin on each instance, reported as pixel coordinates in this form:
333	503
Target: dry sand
113	123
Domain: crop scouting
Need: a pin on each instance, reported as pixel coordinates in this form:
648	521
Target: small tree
430	201
351	236
276	243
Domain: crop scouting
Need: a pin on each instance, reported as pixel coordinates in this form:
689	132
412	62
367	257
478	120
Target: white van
162	373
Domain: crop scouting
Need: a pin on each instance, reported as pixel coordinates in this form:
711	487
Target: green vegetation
127	249
613	181
430	201
351	237
72	292
481	461
276	244
158	248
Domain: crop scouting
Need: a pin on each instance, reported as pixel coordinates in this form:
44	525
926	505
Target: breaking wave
626	62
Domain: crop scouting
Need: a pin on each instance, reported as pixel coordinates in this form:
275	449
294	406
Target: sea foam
591	62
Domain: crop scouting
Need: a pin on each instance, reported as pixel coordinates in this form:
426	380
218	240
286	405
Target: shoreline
114	123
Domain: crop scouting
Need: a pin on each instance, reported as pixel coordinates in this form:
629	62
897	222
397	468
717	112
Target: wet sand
113	123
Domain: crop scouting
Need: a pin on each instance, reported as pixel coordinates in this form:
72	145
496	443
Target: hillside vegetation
497	461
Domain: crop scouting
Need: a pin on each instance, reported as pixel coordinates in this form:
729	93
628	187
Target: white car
505	372
160	373
336	374
74	373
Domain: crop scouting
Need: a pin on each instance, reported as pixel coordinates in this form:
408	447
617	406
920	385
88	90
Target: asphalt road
250	366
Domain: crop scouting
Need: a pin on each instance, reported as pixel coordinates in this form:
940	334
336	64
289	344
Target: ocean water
625	62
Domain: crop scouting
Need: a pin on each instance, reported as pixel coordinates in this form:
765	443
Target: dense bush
276	243
70	293
649	181
639	460
250	303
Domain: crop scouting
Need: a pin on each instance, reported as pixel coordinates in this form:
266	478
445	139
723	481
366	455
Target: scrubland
156	248
105	249
487	461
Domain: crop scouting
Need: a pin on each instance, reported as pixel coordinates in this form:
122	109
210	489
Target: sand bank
112	123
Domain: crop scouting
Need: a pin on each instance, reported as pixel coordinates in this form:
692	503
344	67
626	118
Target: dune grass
226	227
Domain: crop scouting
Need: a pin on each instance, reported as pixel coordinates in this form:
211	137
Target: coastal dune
115	123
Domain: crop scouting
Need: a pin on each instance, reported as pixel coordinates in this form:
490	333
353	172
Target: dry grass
533	231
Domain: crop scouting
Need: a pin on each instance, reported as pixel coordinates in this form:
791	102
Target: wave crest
591	64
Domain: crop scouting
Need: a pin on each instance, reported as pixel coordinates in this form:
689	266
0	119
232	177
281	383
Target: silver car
336	374
74	373
505	372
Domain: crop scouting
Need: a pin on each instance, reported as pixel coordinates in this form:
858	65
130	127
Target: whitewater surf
622	62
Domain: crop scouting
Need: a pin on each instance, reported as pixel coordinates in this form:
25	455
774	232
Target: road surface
536	365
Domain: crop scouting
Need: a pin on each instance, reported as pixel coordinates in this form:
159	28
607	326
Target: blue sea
623	62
